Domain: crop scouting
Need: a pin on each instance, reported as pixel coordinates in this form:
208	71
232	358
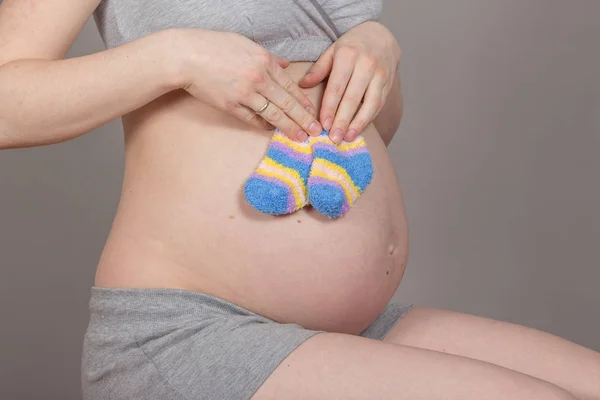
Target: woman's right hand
232	73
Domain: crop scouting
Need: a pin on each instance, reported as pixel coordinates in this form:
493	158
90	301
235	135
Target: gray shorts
170	344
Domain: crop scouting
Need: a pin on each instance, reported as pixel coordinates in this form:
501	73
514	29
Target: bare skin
517	347
433	354
182	221
176	140
335	367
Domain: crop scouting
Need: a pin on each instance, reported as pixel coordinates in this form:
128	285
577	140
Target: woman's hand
232	73
361	66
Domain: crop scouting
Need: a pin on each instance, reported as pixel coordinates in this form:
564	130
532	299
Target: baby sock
278	186
339	174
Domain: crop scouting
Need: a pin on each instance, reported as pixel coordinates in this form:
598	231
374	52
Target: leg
522	349
336	366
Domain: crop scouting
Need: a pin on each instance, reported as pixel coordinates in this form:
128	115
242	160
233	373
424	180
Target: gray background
498	156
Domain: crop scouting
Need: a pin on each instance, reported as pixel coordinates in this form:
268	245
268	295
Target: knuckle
354	100
255	76
229	105
360	124
371	63
288	103
245	94
305	120
337	89
289	85
250	117
381	72
264	58
342	122
349	51
273	114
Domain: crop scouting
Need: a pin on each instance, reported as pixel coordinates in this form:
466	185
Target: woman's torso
182	222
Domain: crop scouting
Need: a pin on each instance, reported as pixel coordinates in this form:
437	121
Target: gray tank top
299	30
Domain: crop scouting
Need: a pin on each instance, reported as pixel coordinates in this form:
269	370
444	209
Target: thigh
336	366
522	349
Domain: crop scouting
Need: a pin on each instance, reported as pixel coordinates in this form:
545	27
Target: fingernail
327	124
337	136
314	128
351	135
302	136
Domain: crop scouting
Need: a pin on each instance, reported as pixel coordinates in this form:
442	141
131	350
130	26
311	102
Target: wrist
173	58
387	36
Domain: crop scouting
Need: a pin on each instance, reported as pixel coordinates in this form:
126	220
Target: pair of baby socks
330	177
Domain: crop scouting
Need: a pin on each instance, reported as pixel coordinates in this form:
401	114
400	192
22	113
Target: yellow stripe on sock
270	174
291	177
360	142
299	147
341	171
290	171
328	170
352	145
331	177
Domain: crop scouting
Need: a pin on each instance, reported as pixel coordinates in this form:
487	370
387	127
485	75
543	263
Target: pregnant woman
198	295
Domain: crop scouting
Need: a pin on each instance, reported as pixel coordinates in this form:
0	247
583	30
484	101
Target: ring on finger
262	110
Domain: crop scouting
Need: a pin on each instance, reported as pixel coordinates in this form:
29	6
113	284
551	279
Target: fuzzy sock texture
338	175
278	186
330	177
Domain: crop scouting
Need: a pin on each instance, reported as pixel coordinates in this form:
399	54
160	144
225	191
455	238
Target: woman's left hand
361	66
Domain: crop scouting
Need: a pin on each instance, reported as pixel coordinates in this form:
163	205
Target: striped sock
278	186
339	174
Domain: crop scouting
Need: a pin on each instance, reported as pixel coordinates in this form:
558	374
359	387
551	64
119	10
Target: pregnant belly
182	222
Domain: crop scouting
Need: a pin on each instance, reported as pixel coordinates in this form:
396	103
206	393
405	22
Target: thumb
319	71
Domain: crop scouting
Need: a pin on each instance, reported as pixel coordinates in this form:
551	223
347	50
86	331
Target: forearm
44	102
388	120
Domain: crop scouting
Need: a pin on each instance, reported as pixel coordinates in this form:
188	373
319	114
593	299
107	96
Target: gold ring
262	110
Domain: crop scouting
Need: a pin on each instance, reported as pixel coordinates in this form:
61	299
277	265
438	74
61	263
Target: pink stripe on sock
274	181
325	146
352	152
291	203
345	208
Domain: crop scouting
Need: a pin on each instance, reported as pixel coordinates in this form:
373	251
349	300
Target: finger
374	100
276	117
248	116
341	73
361	77
283	62
283	80
320	70
292	108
